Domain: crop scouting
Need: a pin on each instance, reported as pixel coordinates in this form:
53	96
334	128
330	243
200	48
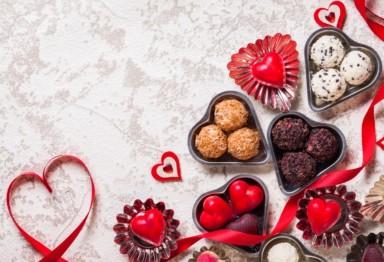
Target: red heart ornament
334	16
149	227
168	169
51	255
216	213
323	215
244	198
270	70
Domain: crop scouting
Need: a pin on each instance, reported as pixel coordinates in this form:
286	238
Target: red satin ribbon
368	134
52	255
377	28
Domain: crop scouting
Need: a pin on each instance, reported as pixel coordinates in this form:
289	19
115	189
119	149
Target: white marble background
118	82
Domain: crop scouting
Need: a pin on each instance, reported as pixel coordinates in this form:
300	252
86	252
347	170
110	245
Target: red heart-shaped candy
216	213
244	197
323	215
270	70
149	227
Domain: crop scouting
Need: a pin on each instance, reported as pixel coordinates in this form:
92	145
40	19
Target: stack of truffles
230	118
302	148
338	70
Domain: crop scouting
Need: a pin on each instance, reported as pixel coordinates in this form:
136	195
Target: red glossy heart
270	70
149	227
244	197
323	214
334	16
216	213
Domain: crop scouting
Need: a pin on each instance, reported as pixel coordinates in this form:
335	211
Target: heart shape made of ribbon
56	253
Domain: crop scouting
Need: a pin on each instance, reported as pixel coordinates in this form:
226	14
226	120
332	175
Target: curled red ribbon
376	28
52	255
368	134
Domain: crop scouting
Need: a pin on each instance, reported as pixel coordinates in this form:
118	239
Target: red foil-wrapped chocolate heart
268	70
244	197
335	233
146	231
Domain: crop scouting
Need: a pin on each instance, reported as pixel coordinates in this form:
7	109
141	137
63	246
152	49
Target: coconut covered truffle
230	115
328	84
290	133
244	143
356	67
211	142
322	145
283	252
297	167
327	51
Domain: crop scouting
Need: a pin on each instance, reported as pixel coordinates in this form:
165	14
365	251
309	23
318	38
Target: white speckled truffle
356	67
328	84
327	51
283	252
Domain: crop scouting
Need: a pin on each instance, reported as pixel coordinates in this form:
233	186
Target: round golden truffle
230	115
244	143
211	142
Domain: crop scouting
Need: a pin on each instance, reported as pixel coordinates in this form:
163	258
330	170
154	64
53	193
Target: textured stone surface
119	82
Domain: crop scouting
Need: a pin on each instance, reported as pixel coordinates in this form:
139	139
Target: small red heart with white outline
334	16
168	169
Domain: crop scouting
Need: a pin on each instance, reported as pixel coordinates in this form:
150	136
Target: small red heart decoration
334	16
323	215
270	70
244	198
149	227
168	169
216	213
381	143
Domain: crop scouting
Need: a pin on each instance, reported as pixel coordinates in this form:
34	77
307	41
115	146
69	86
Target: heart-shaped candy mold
315	103
302	252
289	188
261	211
227	158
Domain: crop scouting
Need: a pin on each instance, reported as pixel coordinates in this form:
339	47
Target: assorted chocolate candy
229	133
303	150
338	68
240	205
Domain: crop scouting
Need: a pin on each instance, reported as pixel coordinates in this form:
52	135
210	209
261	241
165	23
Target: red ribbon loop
376	28
52	255
368	134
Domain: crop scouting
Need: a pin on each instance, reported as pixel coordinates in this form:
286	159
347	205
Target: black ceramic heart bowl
261	211
227	158
289	188
303	253
319	105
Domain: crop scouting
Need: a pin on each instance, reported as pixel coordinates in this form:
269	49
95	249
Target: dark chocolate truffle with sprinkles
297	167
290	133
322	145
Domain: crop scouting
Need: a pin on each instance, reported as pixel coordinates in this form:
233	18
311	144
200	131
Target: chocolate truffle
290	133
322	145
230	115
328	84
297	167
211	142
327	51
244	143
356	67
247	223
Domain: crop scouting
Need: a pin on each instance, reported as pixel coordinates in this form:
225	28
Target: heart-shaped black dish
319	105
227	158
302	252
261	211
289	188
